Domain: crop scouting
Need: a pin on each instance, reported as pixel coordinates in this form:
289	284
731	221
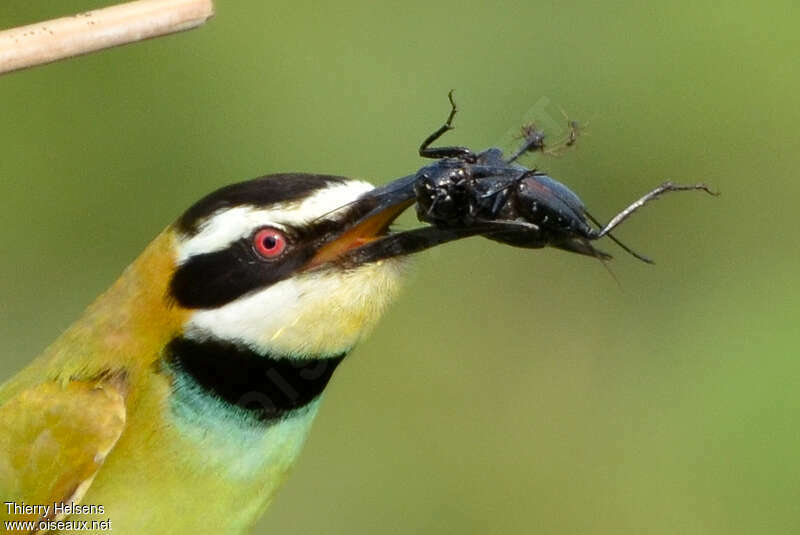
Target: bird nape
180	399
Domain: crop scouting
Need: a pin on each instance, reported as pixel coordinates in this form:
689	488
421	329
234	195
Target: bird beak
367	239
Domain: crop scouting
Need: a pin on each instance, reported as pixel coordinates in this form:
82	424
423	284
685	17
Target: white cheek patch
226	226
316	314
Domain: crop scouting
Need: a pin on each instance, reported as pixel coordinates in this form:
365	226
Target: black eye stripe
213	279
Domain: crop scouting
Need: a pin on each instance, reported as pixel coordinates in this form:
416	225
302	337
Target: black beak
381	206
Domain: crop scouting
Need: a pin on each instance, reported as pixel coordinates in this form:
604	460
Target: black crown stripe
263	191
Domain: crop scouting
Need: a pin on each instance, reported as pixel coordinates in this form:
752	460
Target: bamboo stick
43	42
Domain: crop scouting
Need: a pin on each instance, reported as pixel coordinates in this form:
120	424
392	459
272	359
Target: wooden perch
56	39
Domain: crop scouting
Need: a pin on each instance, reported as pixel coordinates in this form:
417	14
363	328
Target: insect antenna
601	257
618	242
610	271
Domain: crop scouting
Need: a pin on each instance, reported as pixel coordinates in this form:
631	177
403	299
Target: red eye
269	243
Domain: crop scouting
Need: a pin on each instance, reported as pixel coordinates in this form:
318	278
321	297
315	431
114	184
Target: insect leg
666	187
615	240
463	153
574	130
436	198
499	200
572	136
503	225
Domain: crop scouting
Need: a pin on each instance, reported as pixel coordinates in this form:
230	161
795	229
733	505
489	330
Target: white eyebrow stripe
226	226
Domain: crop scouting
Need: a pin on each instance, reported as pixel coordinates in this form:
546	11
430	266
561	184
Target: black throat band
265	386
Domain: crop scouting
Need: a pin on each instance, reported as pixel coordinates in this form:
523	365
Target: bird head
272	263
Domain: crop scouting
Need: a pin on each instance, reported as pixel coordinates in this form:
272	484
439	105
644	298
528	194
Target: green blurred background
508	391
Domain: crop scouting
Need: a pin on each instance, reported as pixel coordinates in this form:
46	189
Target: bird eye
269	243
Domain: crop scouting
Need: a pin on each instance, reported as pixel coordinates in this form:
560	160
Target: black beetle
509	203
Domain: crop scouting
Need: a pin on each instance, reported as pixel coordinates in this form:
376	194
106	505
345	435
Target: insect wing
557	193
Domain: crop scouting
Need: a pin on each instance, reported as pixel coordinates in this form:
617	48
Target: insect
533	140
509	203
